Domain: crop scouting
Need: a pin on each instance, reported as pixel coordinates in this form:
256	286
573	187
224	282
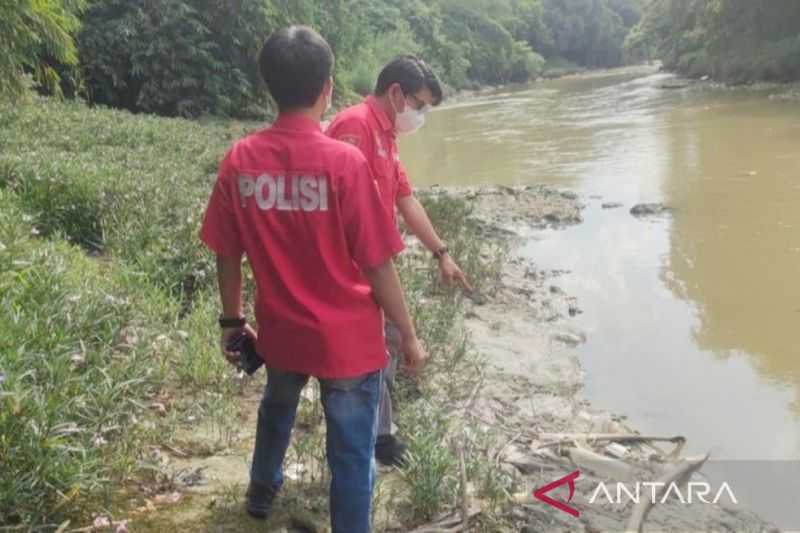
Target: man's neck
308	112
386	104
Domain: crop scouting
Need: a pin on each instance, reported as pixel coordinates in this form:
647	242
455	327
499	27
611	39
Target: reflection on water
693	321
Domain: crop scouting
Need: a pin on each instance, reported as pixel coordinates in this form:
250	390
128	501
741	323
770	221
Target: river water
693	320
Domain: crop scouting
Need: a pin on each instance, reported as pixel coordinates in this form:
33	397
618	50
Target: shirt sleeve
404	187
220	230
351	131
372	236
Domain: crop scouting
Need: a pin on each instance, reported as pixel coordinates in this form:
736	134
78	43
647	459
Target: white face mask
409	120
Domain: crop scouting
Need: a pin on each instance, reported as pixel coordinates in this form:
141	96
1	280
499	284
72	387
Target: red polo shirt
306	211
367	126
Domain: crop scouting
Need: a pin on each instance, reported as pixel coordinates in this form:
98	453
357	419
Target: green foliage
589	32
194	57
493	54
431	467
79	352
131	187
34	34
732	40
186	58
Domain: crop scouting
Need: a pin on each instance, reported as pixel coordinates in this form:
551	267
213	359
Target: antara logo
569	479
656	492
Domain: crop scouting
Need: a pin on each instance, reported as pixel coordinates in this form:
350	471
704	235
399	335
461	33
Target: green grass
80	352
89	340
107	306
131	186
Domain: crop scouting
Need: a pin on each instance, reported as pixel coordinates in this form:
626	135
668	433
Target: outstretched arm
419	223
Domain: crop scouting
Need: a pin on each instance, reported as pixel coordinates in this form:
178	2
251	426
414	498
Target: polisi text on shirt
296	193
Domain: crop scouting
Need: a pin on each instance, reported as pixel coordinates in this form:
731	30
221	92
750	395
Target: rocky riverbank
533	393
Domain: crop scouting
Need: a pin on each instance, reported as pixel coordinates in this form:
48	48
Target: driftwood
680	474
450	524
602	465
606	437
568	439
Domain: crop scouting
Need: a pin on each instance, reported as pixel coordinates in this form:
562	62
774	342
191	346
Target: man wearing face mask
406	89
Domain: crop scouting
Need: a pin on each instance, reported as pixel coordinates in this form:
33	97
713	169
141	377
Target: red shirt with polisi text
306	211
367	126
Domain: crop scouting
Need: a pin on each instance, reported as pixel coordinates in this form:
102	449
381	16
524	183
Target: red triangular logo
541	493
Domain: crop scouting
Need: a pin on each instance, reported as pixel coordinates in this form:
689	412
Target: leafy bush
186	57
31	32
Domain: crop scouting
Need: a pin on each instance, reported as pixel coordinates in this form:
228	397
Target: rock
569	195
508	190
643	210
568	338
611	205
524	463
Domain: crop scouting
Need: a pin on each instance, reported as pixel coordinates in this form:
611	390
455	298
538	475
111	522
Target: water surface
693	320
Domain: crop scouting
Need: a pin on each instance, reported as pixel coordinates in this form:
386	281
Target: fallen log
600	464
568	439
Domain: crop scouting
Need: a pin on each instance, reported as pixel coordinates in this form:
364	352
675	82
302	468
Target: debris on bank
532	403
647	210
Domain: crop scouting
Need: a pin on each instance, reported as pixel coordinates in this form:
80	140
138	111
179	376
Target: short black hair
295	63
413	75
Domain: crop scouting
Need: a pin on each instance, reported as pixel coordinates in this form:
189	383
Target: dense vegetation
735	41
194	57
108	342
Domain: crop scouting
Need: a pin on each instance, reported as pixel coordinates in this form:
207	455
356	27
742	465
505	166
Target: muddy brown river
693	320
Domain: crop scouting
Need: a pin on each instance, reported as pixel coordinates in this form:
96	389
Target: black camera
249	360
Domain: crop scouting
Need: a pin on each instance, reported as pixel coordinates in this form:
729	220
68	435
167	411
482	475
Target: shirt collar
383	119
296	122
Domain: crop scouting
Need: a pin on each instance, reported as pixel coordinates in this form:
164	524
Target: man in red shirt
405	90
306	212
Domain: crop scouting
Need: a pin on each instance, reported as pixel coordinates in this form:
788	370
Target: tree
732	40
34	34
176	57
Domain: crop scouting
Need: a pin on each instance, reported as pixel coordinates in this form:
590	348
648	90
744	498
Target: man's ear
397	97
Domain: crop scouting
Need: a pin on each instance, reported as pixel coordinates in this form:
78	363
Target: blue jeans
351	415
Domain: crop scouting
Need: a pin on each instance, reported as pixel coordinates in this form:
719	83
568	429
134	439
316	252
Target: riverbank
508	407
534	380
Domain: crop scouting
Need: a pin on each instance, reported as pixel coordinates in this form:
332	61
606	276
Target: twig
505	447
450	524
559	439
474	394
679	474
462	469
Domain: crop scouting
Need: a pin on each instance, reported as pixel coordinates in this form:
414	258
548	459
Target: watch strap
238	322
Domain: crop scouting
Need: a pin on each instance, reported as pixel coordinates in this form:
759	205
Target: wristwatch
441	252
229	323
